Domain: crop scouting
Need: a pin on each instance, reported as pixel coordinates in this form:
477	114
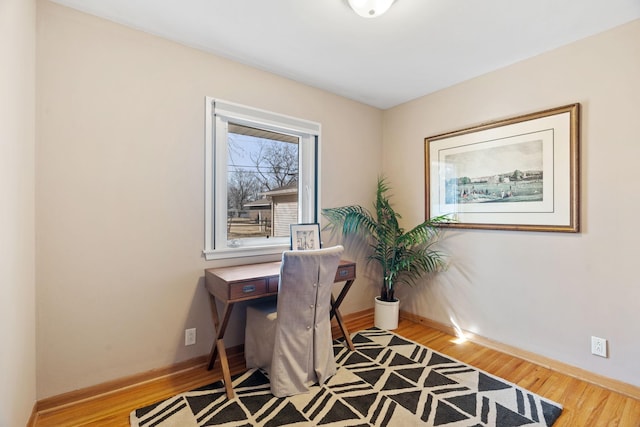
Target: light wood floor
584	404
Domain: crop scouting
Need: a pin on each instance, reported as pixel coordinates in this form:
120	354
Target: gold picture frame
521	173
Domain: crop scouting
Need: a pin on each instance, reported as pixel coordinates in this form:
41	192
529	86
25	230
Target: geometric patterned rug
387	381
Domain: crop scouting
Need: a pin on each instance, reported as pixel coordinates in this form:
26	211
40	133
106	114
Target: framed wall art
520	173
305	236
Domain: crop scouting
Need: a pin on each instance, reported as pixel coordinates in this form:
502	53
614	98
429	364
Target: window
261	176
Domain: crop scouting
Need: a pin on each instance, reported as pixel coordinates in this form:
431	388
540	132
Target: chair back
303	350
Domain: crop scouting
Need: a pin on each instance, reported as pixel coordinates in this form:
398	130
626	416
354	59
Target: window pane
261	175
262	183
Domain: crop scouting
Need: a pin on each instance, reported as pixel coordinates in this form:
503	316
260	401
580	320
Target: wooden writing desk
231	285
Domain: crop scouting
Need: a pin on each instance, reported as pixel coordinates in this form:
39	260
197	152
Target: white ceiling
418	47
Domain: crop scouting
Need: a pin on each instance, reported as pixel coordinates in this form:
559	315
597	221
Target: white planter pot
386	314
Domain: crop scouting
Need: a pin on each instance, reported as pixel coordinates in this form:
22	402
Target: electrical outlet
599	346
190	336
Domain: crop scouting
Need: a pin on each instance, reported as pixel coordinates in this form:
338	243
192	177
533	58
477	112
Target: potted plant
404	256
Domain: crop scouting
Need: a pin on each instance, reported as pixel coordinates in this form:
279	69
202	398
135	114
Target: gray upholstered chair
291	339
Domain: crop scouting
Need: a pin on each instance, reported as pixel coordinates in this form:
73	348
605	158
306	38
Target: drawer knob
343	273
248	288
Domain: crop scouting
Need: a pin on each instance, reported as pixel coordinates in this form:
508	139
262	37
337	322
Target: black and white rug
387	381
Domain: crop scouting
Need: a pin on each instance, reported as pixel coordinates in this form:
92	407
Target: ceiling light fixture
370	8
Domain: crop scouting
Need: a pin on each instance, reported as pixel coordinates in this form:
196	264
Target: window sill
211	254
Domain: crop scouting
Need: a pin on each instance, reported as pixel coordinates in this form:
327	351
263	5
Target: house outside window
261	176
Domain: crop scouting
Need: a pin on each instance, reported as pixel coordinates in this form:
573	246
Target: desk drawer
247	289
345	273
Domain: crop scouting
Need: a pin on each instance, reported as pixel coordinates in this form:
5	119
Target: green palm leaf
403	256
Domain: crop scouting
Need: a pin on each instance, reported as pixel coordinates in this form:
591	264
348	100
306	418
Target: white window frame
218	114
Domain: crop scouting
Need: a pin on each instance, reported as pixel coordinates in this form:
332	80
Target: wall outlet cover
190	336
599	346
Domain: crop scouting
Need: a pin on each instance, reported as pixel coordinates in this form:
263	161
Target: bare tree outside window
243	187
276	163
263	169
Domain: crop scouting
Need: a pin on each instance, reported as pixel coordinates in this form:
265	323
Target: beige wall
17	232
542	292
120	191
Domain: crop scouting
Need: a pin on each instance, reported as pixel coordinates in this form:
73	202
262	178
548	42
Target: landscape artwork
520	173
507	173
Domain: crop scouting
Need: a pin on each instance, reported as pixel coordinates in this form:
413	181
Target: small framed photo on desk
305	236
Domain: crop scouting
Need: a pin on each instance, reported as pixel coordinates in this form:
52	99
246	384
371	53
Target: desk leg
335	305
218	345
226	374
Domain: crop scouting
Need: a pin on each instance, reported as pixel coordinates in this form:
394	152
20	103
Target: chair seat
262	318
